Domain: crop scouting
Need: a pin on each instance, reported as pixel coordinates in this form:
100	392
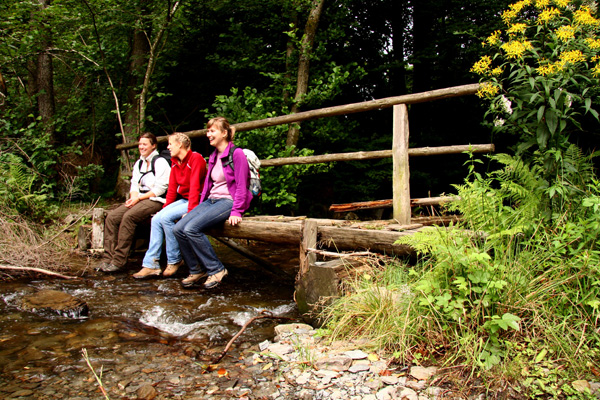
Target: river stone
55	302
146	392
422	373
356	354
407	394
291	328
336	363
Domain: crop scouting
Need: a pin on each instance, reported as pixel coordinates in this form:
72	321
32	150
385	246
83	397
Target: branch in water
40	270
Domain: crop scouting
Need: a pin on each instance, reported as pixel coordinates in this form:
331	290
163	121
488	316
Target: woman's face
174	147
146	147
216	135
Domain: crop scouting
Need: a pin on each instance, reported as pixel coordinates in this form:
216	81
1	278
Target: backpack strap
229	161
152	165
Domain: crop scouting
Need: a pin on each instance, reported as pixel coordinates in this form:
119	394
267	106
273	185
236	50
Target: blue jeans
162	228
195	247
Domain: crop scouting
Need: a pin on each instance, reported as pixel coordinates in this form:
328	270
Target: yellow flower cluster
592	43
517	28
482	66
496	71
596	70
494	38
568	57
547	15
562	3
547	69
513	10
572	56
516	48
487	90
542	3
565	33
583	16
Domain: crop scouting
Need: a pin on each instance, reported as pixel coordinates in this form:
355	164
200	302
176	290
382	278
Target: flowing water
128	316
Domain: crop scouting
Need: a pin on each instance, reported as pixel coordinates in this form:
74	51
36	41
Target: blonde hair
224	125
181	138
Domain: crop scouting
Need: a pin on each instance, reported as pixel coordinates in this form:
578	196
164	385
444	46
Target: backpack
254	165
166	154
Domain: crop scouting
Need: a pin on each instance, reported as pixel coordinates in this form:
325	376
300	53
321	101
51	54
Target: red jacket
186	179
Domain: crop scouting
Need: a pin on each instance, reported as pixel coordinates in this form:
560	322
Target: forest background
81	76
509	296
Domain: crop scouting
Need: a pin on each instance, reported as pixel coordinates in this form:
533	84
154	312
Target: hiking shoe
109	267
192	279
145	273
172	268
215	279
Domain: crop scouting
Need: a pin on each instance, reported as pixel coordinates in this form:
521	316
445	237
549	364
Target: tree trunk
140	48
155	49
44	78
303	67
399	21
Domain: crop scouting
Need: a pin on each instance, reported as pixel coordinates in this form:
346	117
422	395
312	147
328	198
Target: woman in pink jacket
225	197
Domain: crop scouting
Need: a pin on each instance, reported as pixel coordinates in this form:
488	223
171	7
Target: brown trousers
119	229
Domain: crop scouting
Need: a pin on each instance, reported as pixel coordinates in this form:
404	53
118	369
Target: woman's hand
234	220
132	201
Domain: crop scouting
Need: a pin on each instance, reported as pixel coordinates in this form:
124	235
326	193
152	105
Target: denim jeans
195	247
162	228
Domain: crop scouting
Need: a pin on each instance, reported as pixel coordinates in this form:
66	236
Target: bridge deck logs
376	236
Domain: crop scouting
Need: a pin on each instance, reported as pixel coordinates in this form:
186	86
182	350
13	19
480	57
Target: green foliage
541	75
18	192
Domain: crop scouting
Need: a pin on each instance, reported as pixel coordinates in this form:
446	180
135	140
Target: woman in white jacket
149	182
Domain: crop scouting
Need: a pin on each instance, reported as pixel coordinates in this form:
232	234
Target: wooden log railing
378	104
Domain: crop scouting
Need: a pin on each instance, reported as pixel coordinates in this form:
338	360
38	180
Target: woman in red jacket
188	170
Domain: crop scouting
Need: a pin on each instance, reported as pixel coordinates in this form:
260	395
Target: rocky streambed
296	364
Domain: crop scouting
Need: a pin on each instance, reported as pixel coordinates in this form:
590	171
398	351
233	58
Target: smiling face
146	147
217	137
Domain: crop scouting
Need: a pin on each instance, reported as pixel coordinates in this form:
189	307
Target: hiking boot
215	279
145	273
172	268
192	279
109	267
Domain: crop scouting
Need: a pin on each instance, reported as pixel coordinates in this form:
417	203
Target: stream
138	331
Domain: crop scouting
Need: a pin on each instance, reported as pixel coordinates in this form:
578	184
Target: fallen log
367	205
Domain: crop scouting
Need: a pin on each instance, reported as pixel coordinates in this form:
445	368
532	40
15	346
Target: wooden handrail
373	155
378	104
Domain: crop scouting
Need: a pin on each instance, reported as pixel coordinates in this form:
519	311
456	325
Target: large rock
54	302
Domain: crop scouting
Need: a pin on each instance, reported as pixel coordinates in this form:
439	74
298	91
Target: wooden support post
401	172
308	240
98	228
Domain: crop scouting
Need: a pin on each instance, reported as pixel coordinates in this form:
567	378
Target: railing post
308	240
401	172
97	229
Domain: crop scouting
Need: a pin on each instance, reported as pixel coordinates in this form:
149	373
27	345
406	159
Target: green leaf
540	113
511	321
551	121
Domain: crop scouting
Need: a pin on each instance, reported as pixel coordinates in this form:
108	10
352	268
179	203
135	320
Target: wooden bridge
315	235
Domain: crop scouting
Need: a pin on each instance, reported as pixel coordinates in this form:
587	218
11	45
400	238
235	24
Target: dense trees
84	76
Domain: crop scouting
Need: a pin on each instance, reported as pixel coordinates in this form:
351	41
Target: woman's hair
224	125
181	138
150	137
